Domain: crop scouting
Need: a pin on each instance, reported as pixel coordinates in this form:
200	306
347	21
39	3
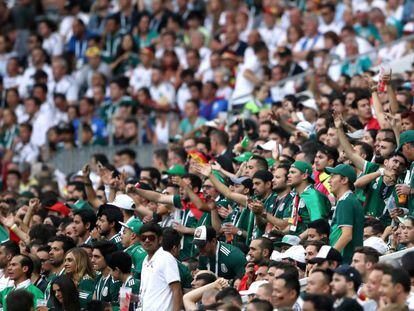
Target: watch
239	233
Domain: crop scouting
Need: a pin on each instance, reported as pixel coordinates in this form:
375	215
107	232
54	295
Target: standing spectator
160	278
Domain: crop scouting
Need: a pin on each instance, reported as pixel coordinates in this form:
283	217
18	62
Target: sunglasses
150	238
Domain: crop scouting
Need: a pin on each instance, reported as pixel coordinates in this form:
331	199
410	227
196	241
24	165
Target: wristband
14	227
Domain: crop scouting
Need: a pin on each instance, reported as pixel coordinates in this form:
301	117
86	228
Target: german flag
198	156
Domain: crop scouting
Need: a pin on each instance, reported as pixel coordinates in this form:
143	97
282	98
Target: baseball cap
178	170
60	208
376	243
253	288
406	137
296	252
79	205
124	201
268	146
270	162
343	170
350	273
310	103
244	157
264	175
134	225
304	167
289	239
203	234
245	181
327	253
306	127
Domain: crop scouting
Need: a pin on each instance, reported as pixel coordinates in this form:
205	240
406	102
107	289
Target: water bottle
385	69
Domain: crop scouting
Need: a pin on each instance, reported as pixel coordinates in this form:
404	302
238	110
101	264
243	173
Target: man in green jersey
85	221
407	189
106	289
307	203
347	227
120	264
221	258
20	269
108	224
130	240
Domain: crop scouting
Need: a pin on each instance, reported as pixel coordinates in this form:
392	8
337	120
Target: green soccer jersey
129	283
4	234
52	277
86	288
369	168
240	219
228	261
308	206
190	221
137	254
348	212
185	275
106	289
26	285
117	240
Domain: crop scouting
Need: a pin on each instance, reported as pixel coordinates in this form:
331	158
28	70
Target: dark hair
287	267
179	152
20	300
320	302
120	260
407	263
15	172
321	226
67	242
154	173
195	181
170	238
266	243
26	261
229	294
11	248
262	305
79	186
105	247
259	46
371	254
400	276
367	149
42	232
151	227
195	102
162	154
261	162
318	244
113	215
377	226
327	274
330	152
221	137
206	277
70	294
87	216
290	283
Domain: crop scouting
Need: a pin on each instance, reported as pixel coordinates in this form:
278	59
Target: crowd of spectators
282	176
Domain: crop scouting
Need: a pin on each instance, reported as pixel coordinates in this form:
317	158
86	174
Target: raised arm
191	298
379	110
358	161
365	180
206	171
152	196
90	192
200	204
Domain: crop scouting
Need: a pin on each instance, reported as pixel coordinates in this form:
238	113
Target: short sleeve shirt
228	262
138	255
348	212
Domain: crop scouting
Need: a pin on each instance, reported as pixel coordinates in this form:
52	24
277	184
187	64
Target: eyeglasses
150	238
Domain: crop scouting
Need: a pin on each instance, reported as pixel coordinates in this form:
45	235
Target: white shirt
53	45
334	26
273	37
183	94
309	44
25	153
141	77
156	276
163	92
363	47
244	88
27	80
66	86
5	281
389	53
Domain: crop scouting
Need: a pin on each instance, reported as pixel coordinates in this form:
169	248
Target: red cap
60	208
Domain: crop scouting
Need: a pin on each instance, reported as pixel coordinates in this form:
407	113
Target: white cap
376	243
356	135
254	287
276	256
124	201
305	126
296	252
310	103
128	170
213	123
268	146
362	7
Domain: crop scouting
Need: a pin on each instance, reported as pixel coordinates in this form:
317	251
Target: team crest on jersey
197	233
224	268
105	292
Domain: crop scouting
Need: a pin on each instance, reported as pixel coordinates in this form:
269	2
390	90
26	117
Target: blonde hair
82	263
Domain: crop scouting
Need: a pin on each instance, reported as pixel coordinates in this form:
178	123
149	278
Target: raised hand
7	221
86	170
338	120
130	189
204	170
34	203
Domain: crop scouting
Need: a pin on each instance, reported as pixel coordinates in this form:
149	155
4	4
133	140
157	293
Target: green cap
134	225
80	204
304	167
343	170
244	157
406	137
177	170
